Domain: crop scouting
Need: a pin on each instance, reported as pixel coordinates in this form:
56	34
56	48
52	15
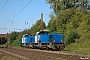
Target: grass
16	43
56	58
60	59
83	47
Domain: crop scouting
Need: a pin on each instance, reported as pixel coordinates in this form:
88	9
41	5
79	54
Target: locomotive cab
37	36
43	32
23	40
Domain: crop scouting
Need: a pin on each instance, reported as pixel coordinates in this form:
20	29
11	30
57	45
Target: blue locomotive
43	40
27	40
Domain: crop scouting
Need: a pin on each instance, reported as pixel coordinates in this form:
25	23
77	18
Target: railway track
80	55
12	55
35	54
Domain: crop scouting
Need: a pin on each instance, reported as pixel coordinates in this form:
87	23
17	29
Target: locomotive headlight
54	40
61	40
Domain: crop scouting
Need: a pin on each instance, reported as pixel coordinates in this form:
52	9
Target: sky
17	15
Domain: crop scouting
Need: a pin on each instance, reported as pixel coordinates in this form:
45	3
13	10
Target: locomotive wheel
54	48
47	48
61	47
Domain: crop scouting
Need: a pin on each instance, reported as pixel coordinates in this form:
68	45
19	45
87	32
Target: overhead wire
1	8
33	20
19	11
17	6
13	10
1	2
38	13
36	18
4	4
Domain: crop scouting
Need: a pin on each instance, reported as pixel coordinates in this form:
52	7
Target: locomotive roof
43	32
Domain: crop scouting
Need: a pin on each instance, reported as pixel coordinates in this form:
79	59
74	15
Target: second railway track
35	54
13	55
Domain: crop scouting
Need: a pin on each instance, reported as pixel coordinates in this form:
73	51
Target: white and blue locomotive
43	40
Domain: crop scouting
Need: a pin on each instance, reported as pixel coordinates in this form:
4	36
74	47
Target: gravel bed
33	54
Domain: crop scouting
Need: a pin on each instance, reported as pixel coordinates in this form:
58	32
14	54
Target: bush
70	37
13	37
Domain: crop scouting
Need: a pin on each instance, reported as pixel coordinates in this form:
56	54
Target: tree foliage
71	36
70	17
58	5
37	27
13	37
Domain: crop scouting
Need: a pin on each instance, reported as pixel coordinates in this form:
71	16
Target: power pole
1	40
41	21
8	38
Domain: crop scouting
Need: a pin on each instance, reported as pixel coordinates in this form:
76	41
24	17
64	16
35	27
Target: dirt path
34	54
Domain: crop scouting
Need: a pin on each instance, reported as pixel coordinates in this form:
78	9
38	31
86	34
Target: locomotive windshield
43	32
25	35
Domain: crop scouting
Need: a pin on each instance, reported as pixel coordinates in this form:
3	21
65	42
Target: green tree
58	5
70	37
13	37
68	18
37	27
